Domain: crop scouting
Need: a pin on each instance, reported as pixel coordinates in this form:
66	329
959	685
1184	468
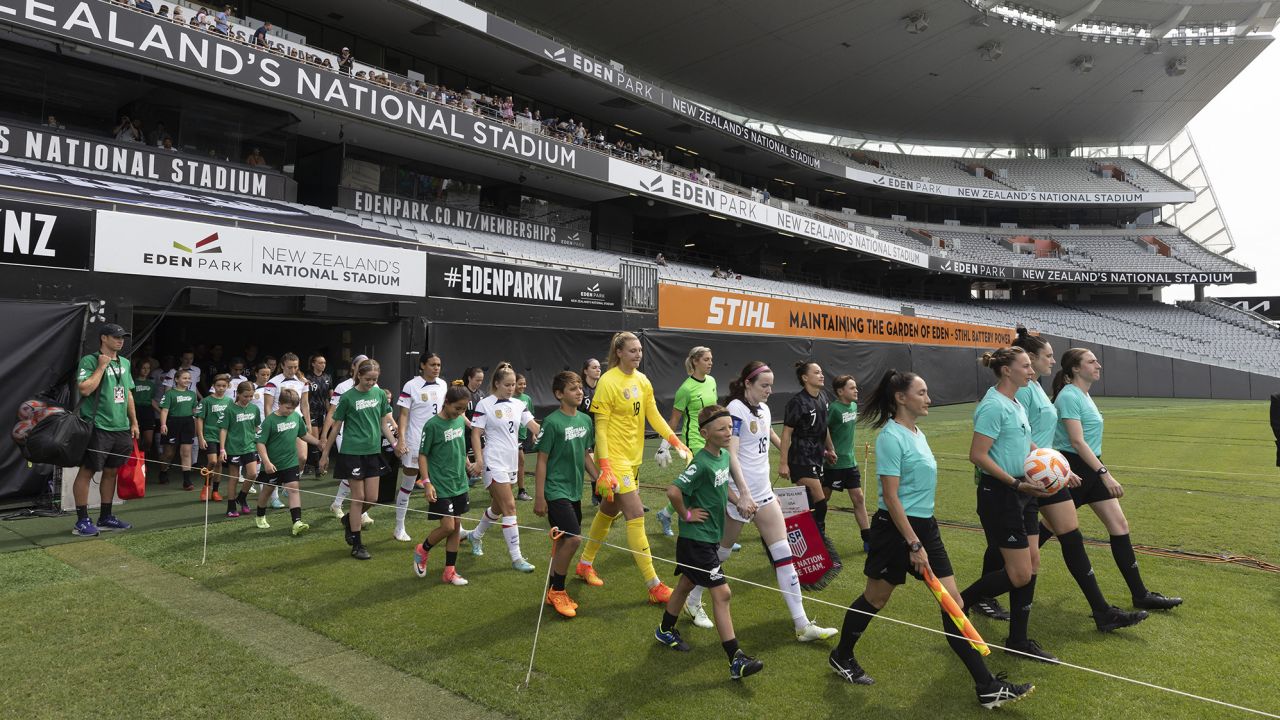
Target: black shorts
804	470
242	460
449	506
390	463
147	418
1091	489
842	478
280	478
566	515
890	559
107	449
700	562
359	467
1008	516
211	448
182	431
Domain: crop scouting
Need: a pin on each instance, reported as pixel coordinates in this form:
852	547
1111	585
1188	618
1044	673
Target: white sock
724	553
485	521
695	596
275	494
402	499
512	534
788	581
344	489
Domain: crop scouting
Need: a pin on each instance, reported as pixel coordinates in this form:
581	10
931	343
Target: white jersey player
420	400
288	379
498	419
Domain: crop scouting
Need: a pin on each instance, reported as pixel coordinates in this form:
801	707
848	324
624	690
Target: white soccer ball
1047	467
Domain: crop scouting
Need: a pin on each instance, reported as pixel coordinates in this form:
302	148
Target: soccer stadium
323	305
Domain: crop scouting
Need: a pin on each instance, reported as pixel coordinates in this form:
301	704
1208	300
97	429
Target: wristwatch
1102	470
914	546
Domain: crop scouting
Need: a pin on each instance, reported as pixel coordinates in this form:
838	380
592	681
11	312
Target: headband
717	416
757	371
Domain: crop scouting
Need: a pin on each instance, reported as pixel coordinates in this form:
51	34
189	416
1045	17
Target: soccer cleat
451	577
188	485
401	535
1114	618
233	513
524	495
244	509
1000	691
216	496
204	493
111	522
559	599
261	522
736	547
664	519
991	608
659	594
522	565
359	552
698	614
337	511
347	535
299	527
85	528
588	574
253	489
275	503
1031	650
1153	601
743	665
477	544
420	556
812	631
671	638
365	520
849	670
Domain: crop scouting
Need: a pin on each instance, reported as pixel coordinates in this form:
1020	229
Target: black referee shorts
1091	489
890	559
1008	517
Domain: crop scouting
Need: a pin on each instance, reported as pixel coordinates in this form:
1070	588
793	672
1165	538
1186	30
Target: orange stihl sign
688	308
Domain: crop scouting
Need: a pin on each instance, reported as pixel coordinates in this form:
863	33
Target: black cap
113	330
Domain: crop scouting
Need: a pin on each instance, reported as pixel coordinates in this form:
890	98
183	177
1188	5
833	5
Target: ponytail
500	373
738	386
1033	344
1071	360
695	352
802	369
618	342
880	407
1000	358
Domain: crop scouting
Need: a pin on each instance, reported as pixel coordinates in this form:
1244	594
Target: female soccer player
239	449
590	377
749	456
843	473
623	401
363	417
420	400
1079	437
442	463
526	438
564	457
699	496
319	386
210	419
1057	511
261	376
277	444
473	381
289	377
696	392
806	446
493	435
1006	501
904	533
144	402
177	428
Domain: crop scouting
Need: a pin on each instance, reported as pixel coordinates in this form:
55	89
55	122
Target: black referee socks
856	620
1077	561
1122	551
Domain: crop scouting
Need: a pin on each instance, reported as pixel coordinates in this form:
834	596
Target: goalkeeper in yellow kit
623	401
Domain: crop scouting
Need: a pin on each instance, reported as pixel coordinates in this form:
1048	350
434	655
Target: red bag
131	479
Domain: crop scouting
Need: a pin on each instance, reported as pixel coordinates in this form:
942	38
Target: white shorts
504	477
732	509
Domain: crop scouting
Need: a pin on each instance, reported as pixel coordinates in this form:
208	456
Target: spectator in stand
222	20
255	158
201	18
508	111
167	144
144	5
124	131
764	195
580	134
177	15
717	273
661	259
138	134
261	32
344	61
156	137
53	123
164	12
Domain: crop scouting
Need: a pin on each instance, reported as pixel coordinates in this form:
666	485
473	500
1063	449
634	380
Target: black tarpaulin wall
44	345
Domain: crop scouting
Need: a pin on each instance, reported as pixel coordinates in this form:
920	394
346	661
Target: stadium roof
854	67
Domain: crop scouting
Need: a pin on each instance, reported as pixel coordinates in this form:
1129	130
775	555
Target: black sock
215	485
668	621
970	657
450	558
730	647
1045	534
1122	551
355	538
262	512
1020	600
992	560
1077	561
557	582
104	512
854	624
990	585
243	498
186	477
295	514
82	512
231	506
820	516
866	534
426	543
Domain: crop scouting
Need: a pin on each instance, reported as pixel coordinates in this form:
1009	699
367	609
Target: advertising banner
690	308
145	245
467	279
1094	277
45	235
